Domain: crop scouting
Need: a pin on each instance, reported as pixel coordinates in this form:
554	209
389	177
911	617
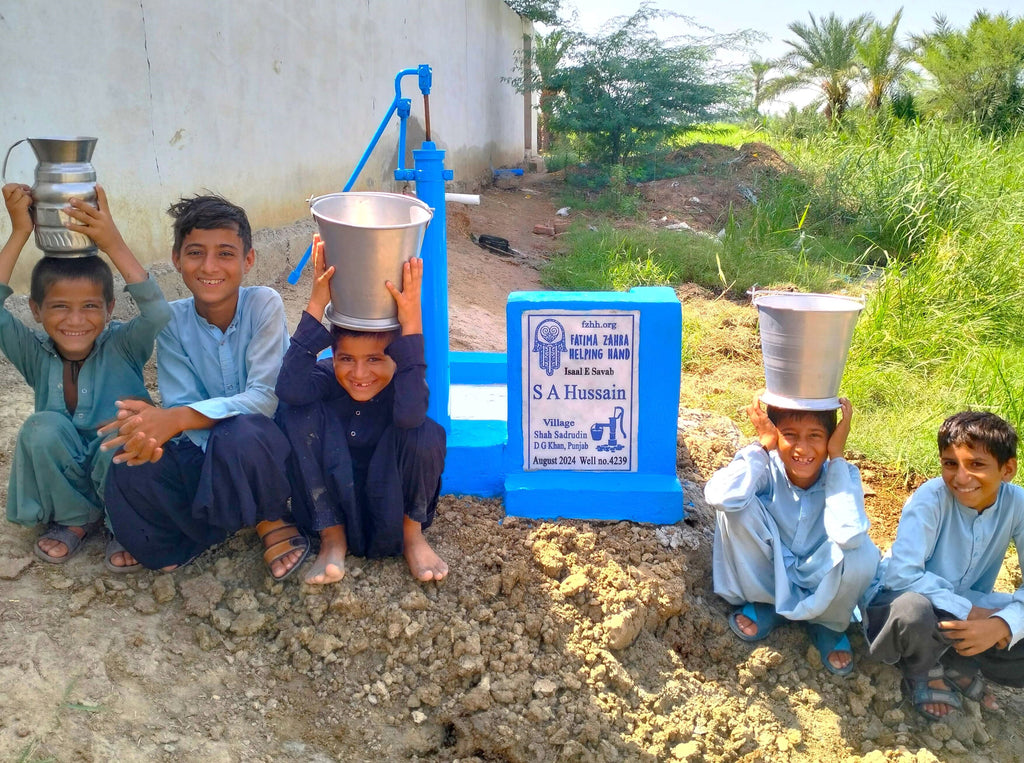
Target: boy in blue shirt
78	368
791	532
936	616
211	460
366	461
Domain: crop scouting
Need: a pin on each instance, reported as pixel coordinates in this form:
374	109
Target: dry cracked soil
549	641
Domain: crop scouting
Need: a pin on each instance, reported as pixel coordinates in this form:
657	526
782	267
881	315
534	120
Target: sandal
828	641
975	690
280	541
114	547
65	535
920	693
762	615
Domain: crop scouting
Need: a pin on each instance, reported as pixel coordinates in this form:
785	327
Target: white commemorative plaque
580	390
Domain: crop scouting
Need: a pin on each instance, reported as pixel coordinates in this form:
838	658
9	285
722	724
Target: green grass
724	133
610	259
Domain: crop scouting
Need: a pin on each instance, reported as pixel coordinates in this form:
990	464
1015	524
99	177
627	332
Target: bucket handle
753	292
3	172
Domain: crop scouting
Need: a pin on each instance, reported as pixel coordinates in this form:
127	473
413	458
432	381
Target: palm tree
882	61
756	80
825	55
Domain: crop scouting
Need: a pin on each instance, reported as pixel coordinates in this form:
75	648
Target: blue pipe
423	73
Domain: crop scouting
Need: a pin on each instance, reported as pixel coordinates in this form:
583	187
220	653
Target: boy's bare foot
58	549
329	566
423	562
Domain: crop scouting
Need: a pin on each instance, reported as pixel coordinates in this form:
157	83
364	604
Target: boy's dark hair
827	419
209	213
49	270
340	332
980	428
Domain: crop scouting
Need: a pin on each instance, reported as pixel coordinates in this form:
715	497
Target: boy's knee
248	438
429	438
47	432
913	611
860	564
249	430
751	523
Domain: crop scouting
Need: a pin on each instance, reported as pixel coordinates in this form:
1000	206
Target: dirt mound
712	181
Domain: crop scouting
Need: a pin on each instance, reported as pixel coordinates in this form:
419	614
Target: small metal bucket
367	238
63	171
805	339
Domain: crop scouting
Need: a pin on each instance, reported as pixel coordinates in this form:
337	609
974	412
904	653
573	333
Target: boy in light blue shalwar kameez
791	532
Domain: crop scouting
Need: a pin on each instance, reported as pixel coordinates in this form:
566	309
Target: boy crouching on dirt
366	461
78	369
936	616
791	537
211	460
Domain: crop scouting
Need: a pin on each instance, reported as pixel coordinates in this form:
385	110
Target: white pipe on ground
463	198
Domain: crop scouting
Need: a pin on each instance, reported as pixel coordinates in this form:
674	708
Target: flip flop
827	641
114	547
275	548
762	615
64	535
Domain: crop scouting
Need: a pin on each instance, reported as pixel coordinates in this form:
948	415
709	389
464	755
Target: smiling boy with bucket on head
366	460
791	531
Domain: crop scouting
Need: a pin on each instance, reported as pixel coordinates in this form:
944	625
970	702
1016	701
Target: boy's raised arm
410	312
97	223
18	200
320	294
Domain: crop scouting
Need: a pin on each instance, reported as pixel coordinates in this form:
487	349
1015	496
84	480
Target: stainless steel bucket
805	339
64	171
367	238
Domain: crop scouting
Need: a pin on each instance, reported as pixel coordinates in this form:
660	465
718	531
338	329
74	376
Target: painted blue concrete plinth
478	367
593	399
475	461
655	498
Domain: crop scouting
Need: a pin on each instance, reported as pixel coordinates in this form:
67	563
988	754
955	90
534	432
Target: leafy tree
625	89
883	62
824	54
544	11
975	75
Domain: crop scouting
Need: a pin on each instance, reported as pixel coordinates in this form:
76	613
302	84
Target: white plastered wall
266	102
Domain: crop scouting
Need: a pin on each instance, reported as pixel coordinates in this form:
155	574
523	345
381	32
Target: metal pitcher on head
64	171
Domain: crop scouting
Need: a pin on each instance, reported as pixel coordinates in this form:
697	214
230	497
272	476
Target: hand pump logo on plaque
580	377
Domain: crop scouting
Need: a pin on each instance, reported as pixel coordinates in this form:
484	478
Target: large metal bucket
367	238
805	339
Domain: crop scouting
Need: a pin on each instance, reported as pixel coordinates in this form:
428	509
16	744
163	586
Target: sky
772	17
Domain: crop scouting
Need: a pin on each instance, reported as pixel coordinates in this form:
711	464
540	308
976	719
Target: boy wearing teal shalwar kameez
78	366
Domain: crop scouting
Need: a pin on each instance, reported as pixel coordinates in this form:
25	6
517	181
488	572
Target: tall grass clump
906	187
610	259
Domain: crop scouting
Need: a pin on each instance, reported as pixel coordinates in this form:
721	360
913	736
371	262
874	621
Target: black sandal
920	693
